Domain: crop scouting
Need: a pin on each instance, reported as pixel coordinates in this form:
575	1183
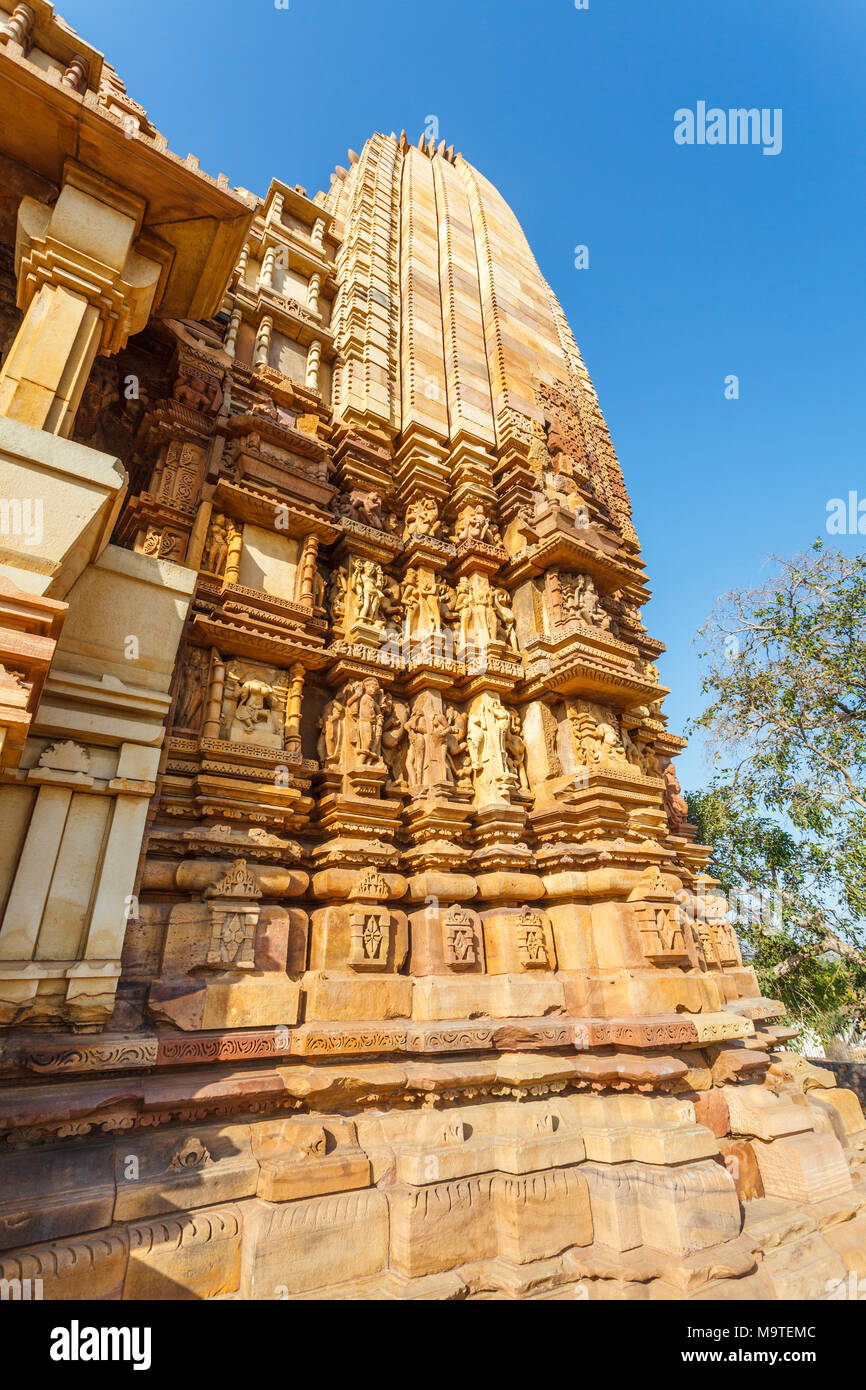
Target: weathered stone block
803	1167
309	1244
194	1255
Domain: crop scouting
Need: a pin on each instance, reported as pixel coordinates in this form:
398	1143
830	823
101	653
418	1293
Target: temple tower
347	884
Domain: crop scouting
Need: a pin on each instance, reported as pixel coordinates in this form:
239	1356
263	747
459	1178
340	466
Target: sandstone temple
354	939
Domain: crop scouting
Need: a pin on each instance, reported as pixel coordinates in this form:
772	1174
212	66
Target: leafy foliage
786	809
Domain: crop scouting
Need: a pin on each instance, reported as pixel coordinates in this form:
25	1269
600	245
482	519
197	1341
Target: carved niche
369	937
193	689
254	705
352	728
222	534
422	518
574	598
429	731
370	923
596	736
486	736
460	937
532	945
659	919
234	915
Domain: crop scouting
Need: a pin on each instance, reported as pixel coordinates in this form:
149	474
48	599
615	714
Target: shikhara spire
345	861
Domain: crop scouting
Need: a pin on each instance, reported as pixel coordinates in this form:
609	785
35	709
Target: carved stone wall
345	862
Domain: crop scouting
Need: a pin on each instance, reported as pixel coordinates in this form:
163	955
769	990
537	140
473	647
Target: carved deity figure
489	725
365	507
338	589
457	748
365	721
259	710
220	536
651	672
505	614
474	527
447	601
429	729
192	689
416	728
596	738
420	599
361	727
368	590
332	729
475	608
392	600
675	804
580	600
612	750
638	754
422	518
515	749
395	715
484	612
197	391
462	607
100	394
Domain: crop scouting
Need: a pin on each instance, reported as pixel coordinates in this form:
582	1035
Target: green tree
786	808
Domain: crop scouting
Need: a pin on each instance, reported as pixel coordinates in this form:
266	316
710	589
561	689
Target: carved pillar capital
86	281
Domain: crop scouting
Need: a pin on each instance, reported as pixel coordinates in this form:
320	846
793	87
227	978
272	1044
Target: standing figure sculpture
416	728
515	748
364	710
368	590
505	614
332	727
675	804
192	689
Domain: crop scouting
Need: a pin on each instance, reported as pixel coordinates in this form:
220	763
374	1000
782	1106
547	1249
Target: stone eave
43	124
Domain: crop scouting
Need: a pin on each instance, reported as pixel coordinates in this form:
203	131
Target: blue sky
704	261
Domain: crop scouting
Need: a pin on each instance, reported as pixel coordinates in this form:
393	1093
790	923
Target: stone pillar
84	288
231	337
307	570
109	917
266	276
233	556
241	267
313	291
263	342
23	916
75	75
314	357
294	702
213	714
18	27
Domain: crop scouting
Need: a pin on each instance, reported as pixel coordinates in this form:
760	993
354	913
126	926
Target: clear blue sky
704	261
